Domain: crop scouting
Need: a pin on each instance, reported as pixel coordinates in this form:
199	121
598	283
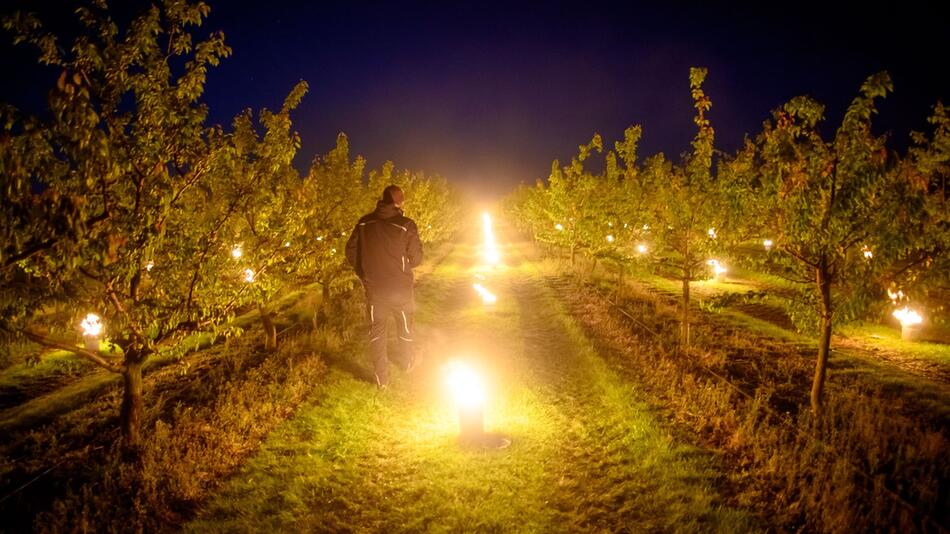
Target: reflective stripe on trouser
379	314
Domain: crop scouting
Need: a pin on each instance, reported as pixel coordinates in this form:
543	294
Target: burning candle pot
910	323
91	329
468	393
719	270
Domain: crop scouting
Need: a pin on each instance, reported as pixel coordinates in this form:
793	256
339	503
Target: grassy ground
747	299
885	420
55	382
587	453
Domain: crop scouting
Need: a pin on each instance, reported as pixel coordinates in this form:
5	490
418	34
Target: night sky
487	94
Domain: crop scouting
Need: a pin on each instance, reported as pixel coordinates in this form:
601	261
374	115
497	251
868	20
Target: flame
712	233
559	227
895	296
907	316
610	238
487	296
490	250
867	252
767	244
236	252
149	265
718	268
465	385
91	325
641	248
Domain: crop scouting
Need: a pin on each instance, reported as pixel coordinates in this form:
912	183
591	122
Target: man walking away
383	249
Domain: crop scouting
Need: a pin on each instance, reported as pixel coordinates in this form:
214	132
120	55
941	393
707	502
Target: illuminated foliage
334	197
921	237
829	205
125	203
123	161
844	218
689	207
263	187
569	206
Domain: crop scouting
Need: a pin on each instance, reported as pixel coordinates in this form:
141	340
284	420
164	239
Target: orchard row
125	211
854	226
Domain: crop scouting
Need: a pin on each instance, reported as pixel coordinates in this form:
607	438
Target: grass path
586	455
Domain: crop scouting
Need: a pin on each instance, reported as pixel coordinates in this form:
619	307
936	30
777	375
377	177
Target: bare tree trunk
824	345
684	319
130	415
325	301
620	275
315	311
270	329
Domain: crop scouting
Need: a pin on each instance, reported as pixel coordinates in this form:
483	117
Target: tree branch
86	354
37	247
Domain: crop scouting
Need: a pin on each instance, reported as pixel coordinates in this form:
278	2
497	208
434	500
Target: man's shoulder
407	222
371	216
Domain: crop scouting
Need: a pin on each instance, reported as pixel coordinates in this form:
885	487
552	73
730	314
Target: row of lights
92	324
767	243
463	383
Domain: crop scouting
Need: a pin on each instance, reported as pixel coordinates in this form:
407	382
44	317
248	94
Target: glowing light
767	244
91	325
867	253
559	227
490	251
718	268
610	224
646	226
332	251
712	233
149	266
286	244
907	316
610	238
236	252
319	238
895	296
465	385
487	296
248	275
641	248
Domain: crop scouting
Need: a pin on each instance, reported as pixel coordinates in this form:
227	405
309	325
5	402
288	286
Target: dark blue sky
488	94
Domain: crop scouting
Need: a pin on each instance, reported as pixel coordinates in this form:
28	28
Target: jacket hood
386	211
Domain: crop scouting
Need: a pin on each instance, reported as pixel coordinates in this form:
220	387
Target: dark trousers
379	314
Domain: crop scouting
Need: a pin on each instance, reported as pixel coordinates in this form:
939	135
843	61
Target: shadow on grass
350	367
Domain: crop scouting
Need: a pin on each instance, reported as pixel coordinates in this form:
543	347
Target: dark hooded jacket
383	249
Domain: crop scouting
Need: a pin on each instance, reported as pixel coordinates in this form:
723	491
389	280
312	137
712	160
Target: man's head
393	195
